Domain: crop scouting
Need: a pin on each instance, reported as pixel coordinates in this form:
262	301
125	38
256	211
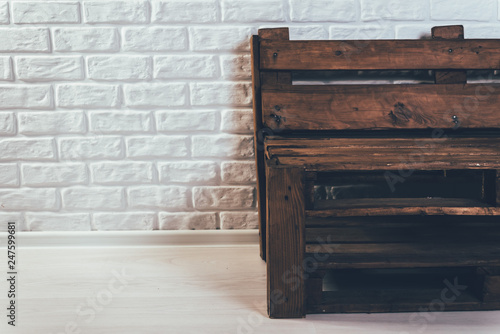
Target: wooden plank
274	33
285	242
259	145
341	107
423	222
448	32
405	255
405	233
488	284
453	76
314	287
380	54
366	301
329	154
498	187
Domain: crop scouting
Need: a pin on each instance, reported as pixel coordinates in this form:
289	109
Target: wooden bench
421	228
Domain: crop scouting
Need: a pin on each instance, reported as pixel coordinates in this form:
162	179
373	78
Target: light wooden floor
184	290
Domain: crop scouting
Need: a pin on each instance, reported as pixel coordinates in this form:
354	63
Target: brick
86	39
223	197
119	67
53	174
93	198
188	221
239	220
237	121
157	146
36	68
124	221
155	95
28	199
308	32
187	120
6	69
253	11
482	31
323	10
120	121
24	40
189	67
14	217
45	12
128	172
51	122
4	12
480	10
220	38
25	97
223	146
184	11
236	67
362	32
238	172
87	96
27	149
221	93
7	124
414	31
116	11
9	177
188	171
155	39
58	221
398	10
155	197
98	147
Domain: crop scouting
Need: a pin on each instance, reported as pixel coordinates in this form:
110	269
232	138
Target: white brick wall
136	114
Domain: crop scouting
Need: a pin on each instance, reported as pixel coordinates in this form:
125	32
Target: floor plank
193	290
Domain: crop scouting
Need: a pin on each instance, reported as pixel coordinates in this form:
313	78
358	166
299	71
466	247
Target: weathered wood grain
339	107
285	242
380	54
406	255
452	76
259	144
385	154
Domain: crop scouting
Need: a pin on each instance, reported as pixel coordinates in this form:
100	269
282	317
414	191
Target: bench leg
285	242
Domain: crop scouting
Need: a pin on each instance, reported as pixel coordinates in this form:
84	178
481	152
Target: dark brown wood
385	154
285	242
488	283
314	287
322	136
453	76
448	32
498	187
489	187
380	54
310	180
405	255
274	33
259	145
361	301
339	107
405	233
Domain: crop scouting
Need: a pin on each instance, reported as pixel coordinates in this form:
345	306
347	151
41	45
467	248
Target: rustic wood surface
258	144
338	107
380	54
285	242
451	76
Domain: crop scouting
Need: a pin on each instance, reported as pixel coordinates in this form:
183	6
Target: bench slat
380	54
339	107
